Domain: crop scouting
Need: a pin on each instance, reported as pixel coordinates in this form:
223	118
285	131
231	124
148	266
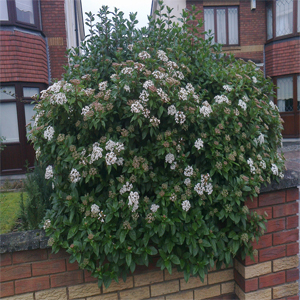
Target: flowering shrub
154	140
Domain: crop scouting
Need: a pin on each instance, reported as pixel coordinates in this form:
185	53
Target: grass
9	210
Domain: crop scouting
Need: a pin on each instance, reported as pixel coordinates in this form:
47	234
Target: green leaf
175	260
128	259
132	235
72	231
122	236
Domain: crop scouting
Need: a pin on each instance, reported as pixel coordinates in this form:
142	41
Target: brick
293	298
72	266
292	249
285	210
175	274
7	289
285	290
265	294
52	294
248	285
271	253
58	255
285	237
66	279
263	242
88	277
15	272
285	263
28	296
148	278
248	261
270	199
136	293
48	267
29	256
5	259
114	286
111	296
292	275
227	287
220	276
207	292
164	288
251	203
253	271
32	284
292	194
271	279
292	222
275	225
181	296
263	210
193	282
83	290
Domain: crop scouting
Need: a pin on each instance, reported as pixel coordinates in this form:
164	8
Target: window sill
231	48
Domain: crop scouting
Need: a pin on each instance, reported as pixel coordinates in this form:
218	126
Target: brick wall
282	57
38	274
54	27
23	57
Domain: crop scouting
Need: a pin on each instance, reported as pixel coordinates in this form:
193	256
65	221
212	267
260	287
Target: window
23	13
288	93
282	19
222	24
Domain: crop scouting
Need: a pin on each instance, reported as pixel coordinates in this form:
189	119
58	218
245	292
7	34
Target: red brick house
34	37
266	32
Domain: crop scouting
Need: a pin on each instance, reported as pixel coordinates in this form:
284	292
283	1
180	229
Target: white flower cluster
171	65
110	158
127	88
111	146
242	104
95	209
127	70
245	98
144	55
188	171
199	144
204	186
205	110
154	121
274	169
126	188
187	181
37	117
88	92
102	85
170	158
164	97
260	140
130	47
144	96
172	110
173	165
178	74
120	161
186	205
183	94
154	208
133	200
85	110
74	175
227	88
136	107
180	117
251	165
96	153
47	224
49	172
221	98
59	98
254	79
68	87
162	55
190	89
274	106
48	133
262	164
147	84
38	153
158	75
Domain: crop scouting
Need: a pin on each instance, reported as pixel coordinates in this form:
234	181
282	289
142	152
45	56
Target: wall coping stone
37	239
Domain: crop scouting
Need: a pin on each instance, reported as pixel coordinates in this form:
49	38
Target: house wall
38	274
23	57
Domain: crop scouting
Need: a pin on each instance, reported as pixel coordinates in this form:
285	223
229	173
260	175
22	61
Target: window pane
29	113
24	10
285	94
209	22
3	10
233	26
269	21
28	92
284	17
221	26
7	92
298	92
9	122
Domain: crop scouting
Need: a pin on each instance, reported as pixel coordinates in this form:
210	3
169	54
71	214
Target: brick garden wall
38	274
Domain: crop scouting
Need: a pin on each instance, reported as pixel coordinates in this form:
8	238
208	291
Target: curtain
209	22
24	10
284	17
221	26
233	27
269	21
3	10
285	94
